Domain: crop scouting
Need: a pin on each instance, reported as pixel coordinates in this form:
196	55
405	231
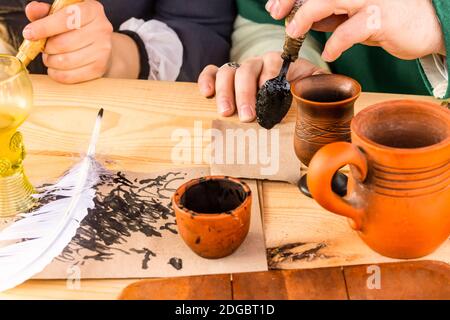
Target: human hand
237	88
407	29
72	54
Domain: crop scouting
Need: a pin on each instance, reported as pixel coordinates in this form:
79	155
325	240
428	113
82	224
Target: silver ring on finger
233	65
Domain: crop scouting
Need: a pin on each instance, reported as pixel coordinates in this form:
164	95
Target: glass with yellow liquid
16	102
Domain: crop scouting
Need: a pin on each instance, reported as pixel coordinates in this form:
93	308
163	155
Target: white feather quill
42	235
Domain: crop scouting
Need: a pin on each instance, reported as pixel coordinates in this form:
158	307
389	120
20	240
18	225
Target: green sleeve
443	12
255	11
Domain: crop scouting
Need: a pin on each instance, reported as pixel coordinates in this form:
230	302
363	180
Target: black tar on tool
274	98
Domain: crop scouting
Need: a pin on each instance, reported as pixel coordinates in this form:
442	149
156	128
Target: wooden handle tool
29	50
292	46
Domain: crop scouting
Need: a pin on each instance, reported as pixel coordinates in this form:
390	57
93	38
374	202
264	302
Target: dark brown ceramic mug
325	108
213	215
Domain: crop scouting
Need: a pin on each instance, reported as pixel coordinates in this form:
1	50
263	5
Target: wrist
144	67
124	60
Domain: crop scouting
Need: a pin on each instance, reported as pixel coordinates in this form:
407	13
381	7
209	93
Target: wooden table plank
139	120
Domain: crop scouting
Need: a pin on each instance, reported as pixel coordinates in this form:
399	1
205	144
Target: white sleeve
435	68
164	48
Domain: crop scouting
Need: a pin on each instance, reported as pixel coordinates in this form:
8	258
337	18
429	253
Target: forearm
125	59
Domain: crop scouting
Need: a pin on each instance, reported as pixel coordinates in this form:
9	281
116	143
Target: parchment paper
273	150
132	234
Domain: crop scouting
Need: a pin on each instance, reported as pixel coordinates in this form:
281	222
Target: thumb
37	10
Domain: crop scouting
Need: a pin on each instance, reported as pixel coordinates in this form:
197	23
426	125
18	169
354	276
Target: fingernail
224	107
292	29
246	114
269	5
28	33
275	10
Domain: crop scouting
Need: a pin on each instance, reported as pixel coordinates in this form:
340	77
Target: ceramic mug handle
323	166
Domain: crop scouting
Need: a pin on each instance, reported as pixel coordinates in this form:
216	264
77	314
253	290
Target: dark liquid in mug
213	196
326	95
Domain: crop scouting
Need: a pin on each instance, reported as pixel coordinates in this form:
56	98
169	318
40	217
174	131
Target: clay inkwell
213	215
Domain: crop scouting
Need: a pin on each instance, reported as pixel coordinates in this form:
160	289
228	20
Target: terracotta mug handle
323	166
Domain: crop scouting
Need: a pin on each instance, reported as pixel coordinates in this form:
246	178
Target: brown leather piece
216	287
406	280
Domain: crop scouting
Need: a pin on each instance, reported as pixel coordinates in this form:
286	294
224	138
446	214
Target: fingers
246	84
329	24
279	8
350	28
76	39
74	60
60	22
272	65
225	91
88	72
344	37
303	68
207	80
312	11
37	10
237	88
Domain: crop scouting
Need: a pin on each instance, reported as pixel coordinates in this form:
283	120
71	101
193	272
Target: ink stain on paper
177	263
124	207
167	227
294	252
147	256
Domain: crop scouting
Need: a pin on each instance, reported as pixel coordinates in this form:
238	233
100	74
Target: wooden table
139	120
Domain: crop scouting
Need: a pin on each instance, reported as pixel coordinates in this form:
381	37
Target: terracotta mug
325	108
399	189
213	215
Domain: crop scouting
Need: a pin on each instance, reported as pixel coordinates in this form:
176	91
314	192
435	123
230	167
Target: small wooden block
310	284
215	287
407	280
